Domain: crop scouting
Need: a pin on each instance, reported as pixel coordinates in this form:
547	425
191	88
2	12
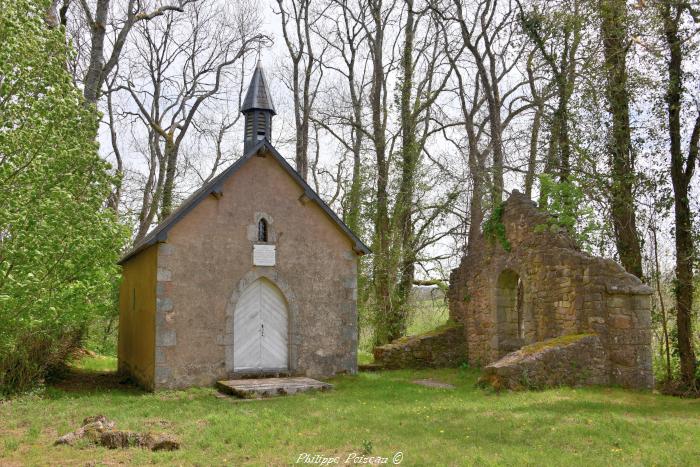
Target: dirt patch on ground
678	390
75	380
431	383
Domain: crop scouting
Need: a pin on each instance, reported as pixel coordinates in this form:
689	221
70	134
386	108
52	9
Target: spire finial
257	108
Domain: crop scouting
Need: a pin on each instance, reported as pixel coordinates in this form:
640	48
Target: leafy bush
58	241
566	201
494	229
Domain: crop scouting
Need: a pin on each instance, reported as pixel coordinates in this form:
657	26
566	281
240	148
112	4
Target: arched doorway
509	312
260	329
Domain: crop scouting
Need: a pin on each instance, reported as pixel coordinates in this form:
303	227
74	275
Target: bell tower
258	110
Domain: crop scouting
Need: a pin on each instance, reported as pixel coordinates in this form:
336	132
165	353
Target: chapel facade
252	275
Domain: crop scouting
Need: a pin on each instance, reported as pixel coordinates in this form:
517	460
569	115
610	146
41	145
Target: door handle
262	329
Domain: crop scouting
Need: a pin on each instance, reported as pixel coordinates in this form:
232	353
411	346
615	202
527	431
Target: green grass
97	363
383	412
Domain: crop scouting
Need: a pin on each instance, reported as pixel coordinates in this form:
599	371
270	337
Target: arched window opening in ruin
262	230
510	315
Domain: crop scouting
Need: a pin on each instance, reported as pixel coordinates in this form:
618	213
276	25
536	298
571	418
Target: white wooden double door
260	329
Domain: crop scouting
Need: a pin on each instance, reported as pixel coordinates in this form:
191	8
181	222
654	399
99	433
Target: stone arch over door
292	315
510	312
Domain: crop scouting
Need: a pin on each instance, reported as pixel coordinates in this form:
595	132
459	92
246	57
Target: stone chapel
254	274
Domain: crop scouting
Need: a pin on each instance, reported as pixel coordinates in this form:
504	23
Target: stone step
270	387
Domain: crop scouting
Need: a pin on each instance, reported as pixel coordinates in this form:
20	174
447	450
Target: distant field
381	413
425	315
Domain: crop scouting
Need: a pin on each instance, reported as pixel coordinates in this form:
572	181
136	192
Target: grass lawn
379	412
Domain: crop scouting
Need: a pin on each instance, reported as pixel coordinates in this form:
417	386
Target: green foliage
366	447
58	242
494	229
565	200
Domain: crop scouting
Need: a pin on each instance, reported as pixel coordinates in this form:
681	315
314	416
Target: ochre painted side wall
207	262
137	311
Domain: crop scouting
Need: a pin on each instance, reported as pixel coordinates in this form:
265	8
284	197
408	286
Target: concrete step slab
270	387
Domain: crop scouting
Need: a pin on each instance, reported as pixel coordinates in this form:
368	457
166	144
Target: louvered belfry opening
258	110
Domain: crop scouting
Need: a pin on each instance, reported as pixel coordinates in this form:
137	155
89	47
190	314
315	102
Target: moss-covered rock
571	360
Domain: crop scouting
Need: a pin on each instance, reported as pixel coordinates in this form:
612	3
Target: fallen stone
159	442
119	439
94	430
99	418
572	360
68	438
100	430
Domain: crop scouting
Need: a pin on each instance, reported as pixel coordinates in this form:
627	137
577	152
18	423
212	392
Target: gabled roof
215	186
258	95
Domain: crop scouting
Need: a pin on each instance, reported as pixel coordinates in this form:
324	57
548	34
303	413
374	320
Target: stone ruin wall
545	287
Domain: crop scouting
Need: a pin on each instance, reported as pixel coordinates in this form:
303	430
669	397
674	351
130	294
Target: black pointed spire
258	110
258	97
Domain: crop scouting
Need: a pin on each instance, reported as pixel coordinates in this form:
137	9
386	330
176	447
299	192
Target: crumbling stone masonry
534	284
573	360
442	347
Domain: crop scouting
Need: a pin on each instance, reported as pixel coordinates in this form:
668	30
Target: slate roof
258	96
160	232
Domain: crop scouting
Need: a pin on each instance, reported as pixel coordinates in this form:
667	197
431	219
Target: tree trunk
534	143
383	279
93	76
664	318
614	33
409	164
355	195
681	175
170	154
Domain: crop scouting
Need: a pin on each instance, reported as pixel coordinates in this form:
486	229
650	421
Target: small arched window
262	230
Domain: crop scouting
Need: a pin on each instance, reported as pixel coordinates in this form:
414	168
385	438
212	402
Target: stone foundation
440	348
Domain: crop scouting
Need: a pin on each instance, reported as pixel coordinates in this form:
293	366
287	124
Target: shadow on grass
615	401
76	381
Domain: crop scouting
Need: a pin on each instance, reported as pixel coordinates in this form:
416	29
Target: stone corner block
164	275
166	338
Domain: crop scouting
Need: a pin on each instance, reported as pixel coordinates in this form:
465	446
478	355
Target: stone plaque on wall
263	255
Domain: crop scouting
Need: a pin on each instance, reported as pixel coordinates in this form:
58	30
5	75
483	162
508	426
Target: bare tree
491	91
557	37
342	116
424	73
181	65
539	95
108	22
298	20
